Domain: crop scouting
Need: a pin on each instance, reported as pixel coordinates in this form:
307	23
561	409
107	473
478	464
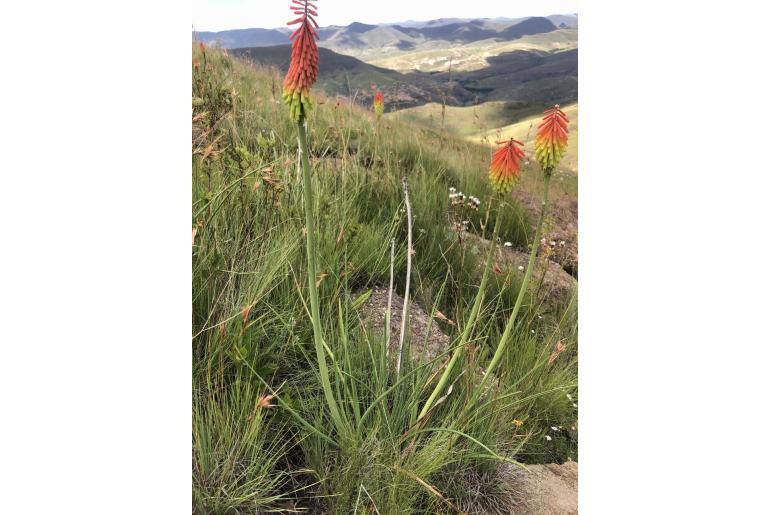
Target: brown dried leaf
441	316
560	347
209	150
245	313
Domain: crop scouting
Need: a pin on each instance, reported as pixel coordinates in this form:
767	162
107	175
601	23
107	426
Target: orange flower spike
551	139
378	104
303	68
506	165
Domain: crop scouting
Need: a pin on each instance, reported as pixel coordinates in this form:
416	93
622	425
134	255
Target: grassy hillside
350	77
262	437
433	57
240	38
492	121
530	78
468	120
525	76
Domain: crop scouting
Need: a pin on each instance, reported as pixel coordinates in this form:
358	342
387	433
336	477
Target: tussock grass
252	334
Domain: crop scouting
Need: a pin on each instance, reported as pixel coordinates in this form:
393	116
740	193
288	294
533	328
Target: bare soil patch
427	339
546	489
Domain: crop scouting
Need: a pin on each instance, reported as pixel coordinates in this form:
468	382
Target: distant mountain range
527	62
569	20
398	37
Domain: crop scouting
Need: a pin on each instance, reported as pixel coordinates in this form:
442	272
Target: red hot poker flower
303	69
379	104
551	139
506	163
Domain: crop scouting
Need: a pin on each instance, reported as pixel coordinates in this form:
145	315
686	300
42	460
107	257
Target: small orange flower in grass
303	69
505	167
555	354
378	104
551	139
264	401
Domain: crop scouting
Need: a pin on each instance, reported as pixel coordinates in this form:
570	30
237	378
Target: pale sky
214	15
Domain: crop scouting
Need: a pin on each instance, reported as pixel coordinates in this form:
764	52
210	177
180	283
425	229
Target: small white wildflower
569	396
539	317
532	331
508	244
554	428
548	438
575	405
553	243
452	189
521	268
562	243
452	195
542	241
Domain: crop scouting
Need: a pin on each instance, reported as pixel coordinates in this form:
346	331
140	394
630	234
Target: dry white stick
390	297
409	253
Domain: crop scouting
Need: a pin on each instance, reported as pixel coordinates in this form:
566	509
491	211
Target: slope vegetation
262	439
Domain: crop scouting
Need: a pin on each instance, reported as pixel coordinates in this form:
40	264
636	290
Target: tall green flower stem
468	324
311	275
523	290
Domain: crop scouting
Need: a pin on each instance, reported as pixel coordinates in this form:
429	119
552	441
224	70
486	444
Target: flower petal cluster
506	165
551	139
378	104
303	68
